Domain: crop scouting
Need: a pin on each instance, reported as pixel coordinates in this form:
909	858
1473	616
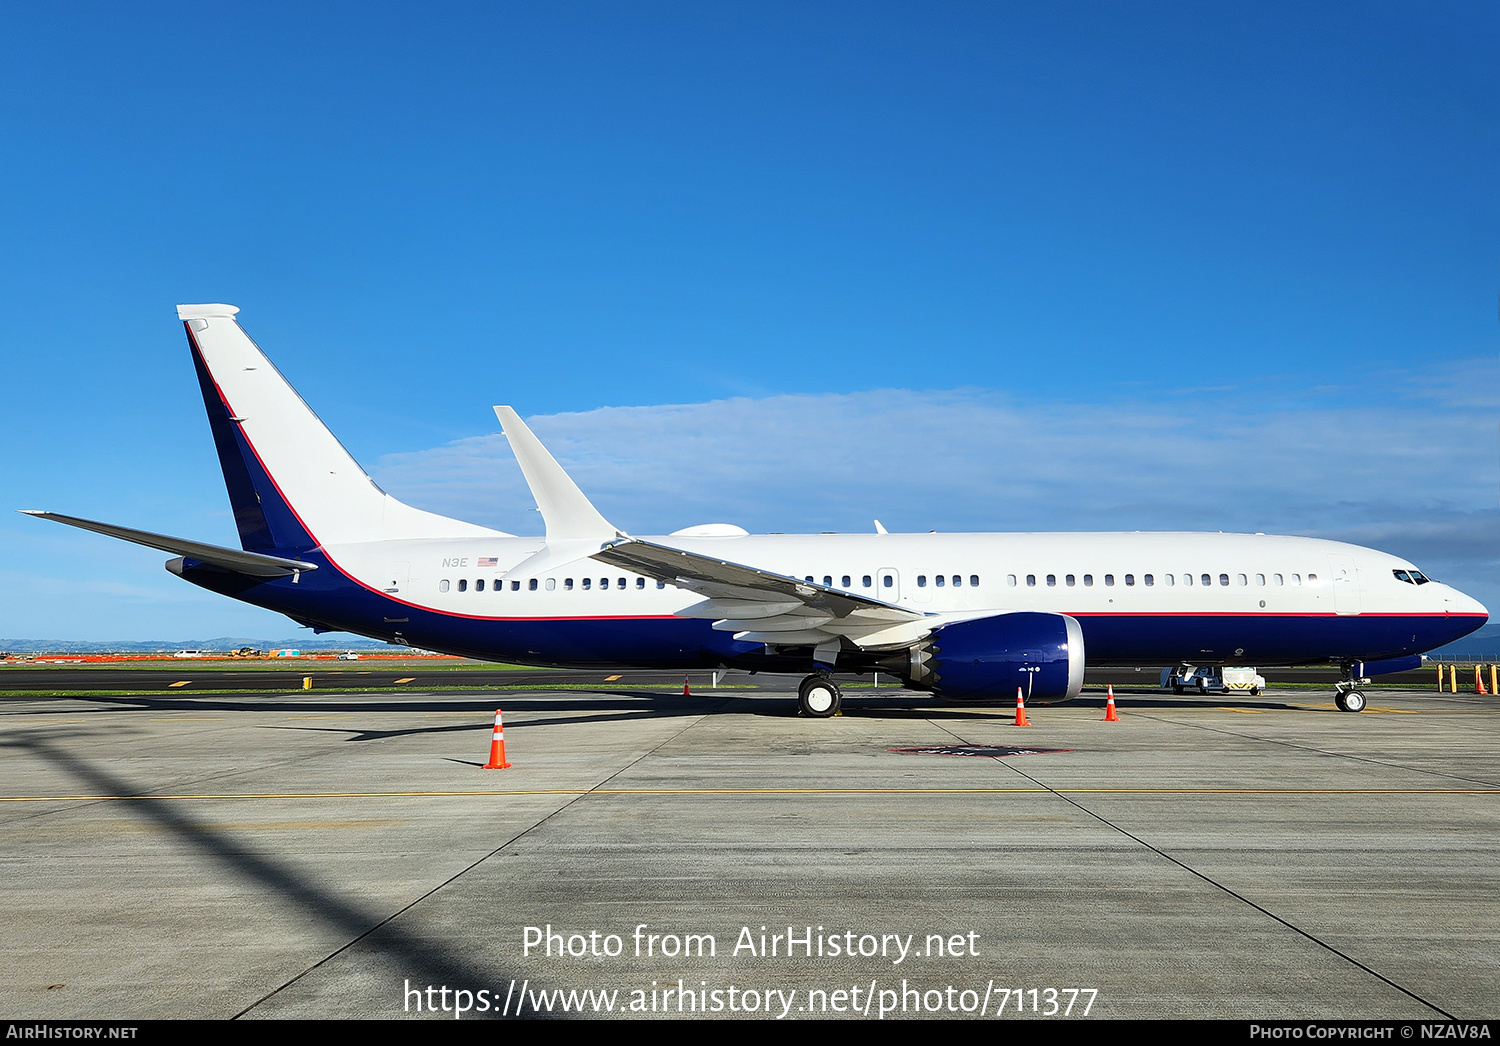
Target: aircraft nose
1458	603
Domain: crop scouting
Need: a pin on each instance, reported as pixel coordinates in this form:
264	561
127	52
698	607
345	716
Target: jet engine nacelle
989	657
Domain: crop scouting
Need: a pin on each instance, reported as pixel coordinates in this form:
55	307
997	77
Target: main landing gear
818	696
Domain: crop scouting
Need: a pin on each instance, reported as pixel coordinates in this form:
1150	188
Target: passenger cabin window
463	584
865	581
1276	580
1031	581
1311	578
567	584
1260	579
827	580
1296	579
845	581
531	585
921	580
1241	579
1129	579
1224	580
588	583
1207	579
1187	579
958	581
1109	580
1051	580
1070	581
551	584
939	580
515	586
1088	581
888	581
443	585
479	585
1010	580
1148	580
1166	579
620	583
640	582
973	580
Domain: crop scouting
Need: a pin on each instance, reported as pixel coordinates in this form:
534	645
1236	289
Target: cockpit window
1411	577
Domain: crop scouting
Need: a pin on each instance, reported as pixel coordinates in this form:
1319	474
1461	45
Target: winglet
568	514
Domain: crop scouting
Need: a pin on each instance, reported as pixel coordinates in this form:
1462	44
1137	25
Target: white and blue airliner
964	616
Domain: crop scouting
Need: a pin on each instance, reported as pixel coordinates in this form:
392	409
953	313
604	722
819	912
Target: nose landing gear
1346	695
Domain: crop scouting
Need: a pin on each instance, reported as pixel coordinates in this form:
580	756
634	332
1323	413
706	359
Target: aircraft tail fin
291	482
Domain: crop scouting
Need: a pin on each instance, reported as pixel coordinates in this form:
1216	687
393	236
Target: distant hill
329	641
1483	645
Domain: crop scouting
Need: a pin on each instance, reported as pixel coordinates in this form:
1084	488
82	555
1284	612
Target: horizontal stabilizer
254	564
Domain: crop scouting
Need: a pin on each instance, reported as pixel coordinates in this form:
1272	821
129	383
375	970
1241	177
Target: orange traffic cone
1020	709
686	691
1109	707
497	747
1479	681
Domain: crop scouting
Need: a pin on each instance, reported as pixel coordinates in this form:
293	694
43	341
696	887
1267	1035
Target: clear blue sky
793	265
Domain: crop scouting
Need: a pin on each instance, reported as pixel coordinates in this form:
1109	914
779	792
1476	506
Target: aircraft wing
255	564
764	607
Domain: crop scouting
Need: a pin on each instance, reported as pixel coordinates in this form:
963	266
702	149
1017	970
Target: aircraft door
1345	585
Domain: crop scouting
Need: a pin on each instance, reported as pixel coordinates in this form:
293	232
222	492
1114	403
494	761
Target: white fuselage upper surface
938	574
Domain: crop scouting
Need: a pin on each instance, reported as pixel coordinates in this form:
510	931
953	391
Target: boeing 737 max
961	615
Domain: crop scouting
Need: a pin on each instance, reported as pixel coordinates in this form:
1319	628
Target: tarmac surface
186	853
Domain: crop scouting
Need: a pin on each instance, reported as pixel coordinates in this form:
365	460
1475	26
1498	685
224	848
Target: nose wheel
1349	701
819	697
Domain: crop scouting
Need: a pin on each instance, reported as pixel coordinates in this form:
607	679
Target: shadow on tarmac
420	960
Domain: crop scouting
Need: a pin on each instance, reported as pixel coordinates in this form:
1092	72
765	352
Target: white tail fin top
569	515
322	483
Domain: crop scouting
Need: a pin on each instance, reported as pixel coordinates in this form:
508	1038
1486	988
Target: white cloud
1406	464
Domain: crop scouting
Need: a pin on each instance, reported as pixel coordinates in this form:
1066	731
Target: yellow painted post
1492	680
1440	677
307	682
1452	679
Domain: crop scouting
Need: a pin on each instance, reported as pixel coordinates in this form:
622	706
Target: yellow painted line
188	719
756	791
183	682
610	679
408	679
